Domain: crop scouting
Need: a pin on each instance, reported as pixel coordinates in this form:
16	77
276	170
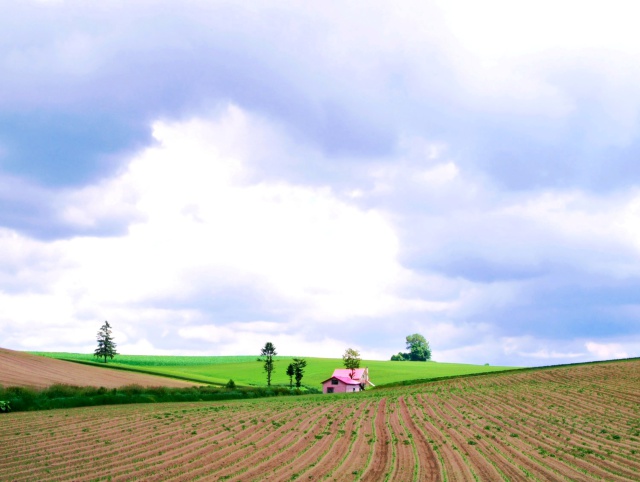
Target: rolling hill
245	370
24	370
577	422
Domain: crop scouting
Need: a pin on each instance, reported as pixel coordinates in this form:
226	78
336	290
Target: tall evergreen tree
106	345
266	355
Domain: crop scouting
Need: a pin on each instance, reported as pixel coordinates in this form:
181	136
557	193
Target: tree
400	357
266	355
351	359
418	348
290	372
299	365
106	345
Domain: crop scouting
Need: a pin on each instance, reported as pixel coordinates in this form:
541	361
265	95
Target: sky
210	175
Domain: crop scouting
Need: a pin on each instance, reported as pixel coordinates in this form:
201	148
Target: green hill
246	370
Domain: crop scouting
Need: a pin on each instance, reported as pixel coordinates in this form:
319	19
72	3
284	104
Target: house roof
346	380
346	373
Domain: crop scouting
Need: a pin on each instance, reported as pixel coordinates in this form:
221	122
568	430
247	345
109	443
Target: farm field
245	370
22	369
577	422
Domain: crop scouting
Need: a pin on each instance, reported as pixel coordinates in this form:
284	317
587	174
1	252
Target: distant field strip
246	370
566	423
153	360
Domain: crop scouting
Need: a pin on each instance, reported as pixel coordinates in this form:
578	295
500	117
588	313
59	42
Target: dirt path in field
18	369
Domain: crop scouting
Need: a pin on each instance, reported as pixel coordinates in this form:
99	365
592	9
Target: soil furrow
428	466
382	448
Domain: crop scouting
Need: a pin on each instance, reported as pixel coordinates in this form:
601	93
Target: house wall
340	387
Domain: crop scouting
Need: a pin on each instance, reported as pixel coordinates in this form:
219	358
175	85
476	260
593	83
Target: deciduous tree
106	345
351	360
418	347
299	365
290	372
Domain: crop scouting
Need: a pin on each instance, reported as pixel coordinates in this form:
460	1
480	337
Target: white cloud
573	25
606	351
245	339
545	354
441	173
283	214
204	226
201	229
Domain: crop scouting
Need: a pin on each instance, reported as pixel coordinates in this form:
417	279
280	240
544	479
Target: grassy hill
246	370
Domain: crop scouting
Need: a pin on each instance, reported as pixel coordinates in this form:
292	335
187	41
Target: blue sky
211	176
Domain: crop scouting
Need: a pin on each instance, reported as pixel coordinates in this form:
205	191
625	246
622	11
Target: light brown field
578	423
18	369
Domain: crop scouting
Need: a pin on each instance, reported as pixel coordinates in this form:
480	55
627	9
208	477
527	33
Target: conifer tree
106	345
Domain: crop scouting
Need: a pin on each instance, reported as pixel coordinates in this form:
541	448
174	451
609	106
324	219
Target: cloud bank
214	176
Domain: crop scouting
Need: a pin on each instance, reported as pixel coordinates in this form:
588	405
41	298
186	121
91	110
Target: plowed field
19	369
567	423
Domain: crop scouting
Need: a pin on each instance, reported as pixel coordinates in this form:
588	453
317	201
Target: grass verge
70	396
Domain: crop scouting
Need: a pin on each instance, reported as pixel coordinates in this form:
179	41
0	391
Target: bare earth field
574	423
19	369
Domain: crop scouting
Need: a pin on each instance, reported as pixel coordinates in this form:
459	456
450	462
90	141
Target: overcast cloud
210	176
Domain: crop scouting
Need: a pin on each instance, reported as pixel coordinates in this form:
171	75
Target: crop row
577	423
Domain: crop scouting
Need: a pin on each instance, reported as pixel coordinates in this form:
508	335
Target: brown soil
383	450
565	424
428	467
345	454
18	369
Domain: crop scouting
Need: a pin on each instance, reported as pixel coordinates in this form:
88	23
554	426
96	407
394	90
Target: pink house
345	380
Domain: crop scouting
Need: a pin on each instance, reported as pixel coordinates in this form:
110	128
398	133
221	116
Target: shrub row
70	396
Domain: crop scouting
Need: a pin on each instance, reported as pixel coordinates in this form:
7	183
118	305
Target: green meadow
247	371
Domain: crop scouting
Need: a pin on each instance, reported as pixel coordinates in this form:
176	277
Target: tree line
294	370
417	345
351	360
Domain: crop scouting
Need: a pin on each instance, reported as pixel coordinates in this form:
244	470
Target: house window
334	381
329	389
